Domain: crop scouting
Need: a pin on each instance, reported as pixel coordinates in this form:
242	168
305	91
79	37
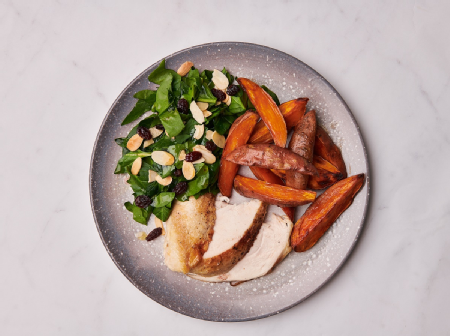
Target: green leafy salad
175	152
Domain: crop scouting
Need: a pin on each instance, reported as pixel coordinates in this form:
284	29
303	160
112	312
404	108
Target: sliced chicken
189	231
234	233
270	247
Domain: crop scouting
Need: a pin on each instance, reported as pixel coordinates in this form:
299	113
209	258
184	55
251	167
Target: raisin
160	127
144	133
143	201
155	233
177	172
211	146
180	188
220	95
193	156
183	106
232	90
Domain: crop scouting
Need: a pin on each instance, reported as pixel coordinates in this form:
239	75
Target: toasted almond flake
218	103
209	134
200	148
159	223
199	130
218	139
135	142
155	132
197	113
188	170
164	181
185	68
136	166
202	105
207	155
206	113
220	80
148	143
182	155
152	175
163	158
227	100
141	235
201	160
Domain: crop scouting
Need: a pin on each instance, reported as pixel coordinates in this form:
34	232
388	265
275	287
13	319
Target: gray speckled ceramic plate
300	274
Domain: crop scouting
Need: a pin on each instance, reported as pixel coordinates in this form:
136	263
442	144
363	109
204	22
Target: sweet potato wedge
267	175
302	143
323	212
239	134
272	193
292	112
281	173
326	148
267	109
328	174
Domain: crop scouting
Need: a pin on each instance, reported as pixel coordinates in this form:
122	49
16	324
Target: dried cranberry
183	106
180	188
211	146
232	90
143	201
155	233
144	133
193	156
177	172
220	95
160	127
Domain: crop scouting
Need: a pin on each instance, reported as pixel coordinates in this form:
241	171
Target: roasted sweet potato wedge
267	109
270	157
302	143
281	173
239	134
272	193
323	212
326	148
328	174
267	175
292	112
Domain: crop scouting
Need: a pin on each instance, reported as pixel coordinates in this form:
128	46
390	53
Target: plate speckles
300	274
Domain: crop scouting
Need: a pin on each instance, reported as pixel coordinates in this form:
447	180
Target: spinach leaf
139	215
206	75
122	142
162	102
222	125
205	95
200	182
162	213
163	199
127	160
138	110
236	105
172	122
167	171
162	143
226	73
272	94
175	151
139	187
190	85
150	121
160	74
189	127
180	139
147	95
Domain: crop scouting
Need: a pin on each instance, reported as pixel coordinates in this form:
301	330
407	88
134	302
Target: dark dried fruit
183	106
177	172
160	127
143	201
220	95
232	90
211	146
180	188
155	233
193	156
144	133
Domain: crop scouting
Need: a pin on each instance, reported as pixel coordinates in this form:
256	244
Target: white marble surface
62	64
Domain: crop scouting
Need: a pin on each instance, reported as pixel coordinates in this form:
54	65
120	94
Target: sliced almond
209	134
206	113
207	155
199	130
200	148
148	143
164	181
201	160
185	68
155	132
136	166
182	155
163	158
152	175
218	139
188	170
141	235
159	223
220	80
197	113
135	142
202	106
227	100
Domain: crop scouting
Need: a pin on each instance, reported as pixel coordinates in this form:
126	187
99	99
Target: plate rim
367	180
